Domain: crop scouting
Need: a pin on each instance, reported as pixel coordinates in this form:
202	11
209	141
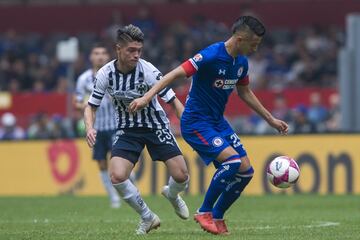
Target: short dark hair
129	33
99	45
244	23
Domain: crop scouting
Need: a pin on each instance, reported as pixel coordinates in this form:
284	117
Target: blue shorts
160	143
103	144
210	140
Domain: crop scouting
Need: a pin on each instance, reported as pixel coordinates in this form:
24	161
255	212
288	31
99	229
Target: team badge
198	57
217	142
219	83
142	88
240	71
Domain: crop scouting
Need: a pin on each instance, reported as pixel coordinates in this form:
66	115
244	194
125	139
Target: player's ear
118	46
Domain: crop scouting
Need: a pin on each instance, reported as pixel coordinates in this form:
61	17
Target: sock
220	180
113	195
232	192
175	187
132	177
131	195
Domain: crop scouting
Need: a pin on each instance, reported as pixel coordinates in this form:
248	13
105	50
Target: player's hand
138	104
91	137
279	125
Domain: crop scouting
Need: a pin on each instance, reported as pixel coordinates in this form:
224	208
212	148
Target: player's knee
231	165
245	164
181	175
118	176
248	173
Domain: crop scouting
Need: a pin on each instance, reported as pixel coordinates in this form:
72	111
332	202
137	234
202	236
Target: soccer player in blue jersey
216	71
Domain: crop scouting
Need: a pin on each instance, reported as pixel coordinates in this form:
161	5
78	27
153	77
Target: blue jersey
217	74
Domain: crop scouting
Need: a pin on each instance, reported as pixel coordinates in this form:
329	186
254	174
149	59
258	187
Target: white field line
314	225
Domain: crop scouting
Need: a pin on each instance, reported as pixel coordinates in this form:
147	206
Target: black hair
129	33
99	45
244	23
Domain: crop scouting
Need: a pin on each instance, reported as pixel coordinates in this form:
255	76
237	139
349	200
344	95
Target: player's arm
169	78
247	95
89	119
177	106
78	98
100	86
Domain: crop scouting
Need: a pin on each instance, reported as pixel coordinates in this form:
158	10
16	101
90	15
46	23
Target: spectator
333	120
300	123
317	113
41	128
9	129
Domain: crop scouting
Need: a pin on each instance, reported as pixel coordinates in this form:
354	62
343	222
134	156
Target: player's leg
162	146
125	154
178	182
229	164
235	187
100	151
211	146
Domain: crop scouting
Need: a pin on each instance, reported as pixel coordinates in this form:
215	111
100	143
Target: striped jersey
105	116
124	88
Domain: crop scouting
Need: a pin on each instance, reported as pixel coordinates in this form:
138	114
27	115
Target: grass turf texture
265	217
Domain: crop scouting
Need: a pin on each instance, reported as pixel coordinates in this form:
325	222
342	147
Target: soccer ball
283	172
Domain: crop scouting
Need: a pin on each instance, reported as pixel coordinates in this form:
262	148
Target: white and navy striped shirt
124	88
105	116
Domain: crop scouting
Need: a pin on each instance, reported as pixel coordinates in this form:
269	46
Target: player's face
248	44
129	54
99	56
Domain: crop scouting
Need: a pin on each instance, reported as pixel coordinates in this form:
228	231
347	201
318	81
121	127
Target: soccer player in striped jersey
126	78
216	71
105	123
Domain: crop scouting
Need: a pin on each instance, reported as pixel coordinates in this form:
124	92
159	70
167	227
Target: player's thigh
161	144
207	142
226	153
236	144
177	168
120	169
128	144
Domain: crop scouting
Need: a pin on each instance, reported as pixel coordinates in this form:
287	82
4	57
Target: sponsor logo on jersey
198	57
225	83
219	83
217	142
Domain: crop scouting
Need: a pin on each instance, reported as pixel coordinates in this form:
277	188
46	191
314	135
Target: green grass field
268	217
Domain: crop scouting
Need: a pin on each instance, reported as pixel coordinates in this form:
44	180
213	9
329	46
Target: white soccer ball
283	172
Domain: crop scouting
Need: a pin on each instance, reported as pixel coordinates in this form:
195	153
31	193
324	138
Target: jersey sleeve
100	86
80	90
153	75
243	79
200	60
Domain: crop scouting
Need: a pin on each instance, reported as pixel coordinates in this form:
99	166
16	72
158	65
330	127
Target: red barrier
27	104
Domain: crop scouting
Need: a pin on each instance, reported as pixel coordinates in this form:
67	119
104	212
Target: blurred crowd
286	59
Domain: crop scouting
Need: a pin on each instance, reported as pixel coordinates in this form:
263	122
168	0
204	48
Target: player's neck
231	48
123	68
95	69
